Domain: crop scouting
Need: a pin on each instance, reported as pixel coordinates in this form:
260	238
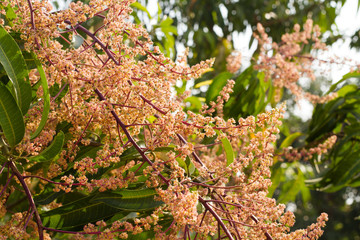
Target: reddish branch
30	199
95	39
129	137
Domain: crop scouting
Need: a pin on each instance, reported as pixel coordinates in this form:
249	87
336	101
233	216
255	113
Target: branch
130	138
98	41
217	217
30	199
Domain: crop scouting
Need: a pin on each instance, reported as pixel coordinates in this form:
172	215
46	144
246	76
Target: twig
30	199
95	39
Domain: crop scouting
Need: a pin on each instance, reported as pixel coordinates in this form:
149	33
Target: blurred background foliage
329	183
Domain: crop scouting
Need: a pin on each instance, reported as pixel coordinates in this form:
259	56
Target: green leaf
346	89
305	193
291	188
76	41
195	103
169	29
276	177
47	196
46	99
342	174
50	152
14	64
11	119
229	152
218	83
140	7
345	77
77	213
10	14
190	166
166	22
203	83
290	139
129	200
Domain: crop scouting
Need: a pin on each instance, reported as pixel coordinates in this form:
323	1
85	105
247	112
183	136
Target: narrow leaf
166	22
77	213
140	7
290	139
50	152
229	152
46	99
47	196
203	83
218	83
14	64
11	119
129	200
276	178
291	189
345	77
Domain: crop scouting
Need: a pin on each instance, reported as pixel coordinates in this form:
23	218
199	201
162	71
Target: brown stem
6	184
217	217
244	224
2	168
95	39
30	199
129	137
202	219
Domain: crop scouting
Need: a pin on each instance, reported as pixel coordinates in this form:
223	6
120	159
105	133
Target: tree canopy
108	132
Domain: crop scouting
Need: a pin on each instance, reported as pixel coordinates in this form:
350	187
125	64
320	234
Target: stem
130	138
182	139
217	217
7	183
6	163
244	224
202	219
172	223
224	202
267	235
98	41
63	87
28	219
30	199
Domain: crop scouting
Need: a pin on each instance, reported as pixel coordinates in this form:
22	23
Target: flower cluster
233	62
218	105
286	63
293	154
